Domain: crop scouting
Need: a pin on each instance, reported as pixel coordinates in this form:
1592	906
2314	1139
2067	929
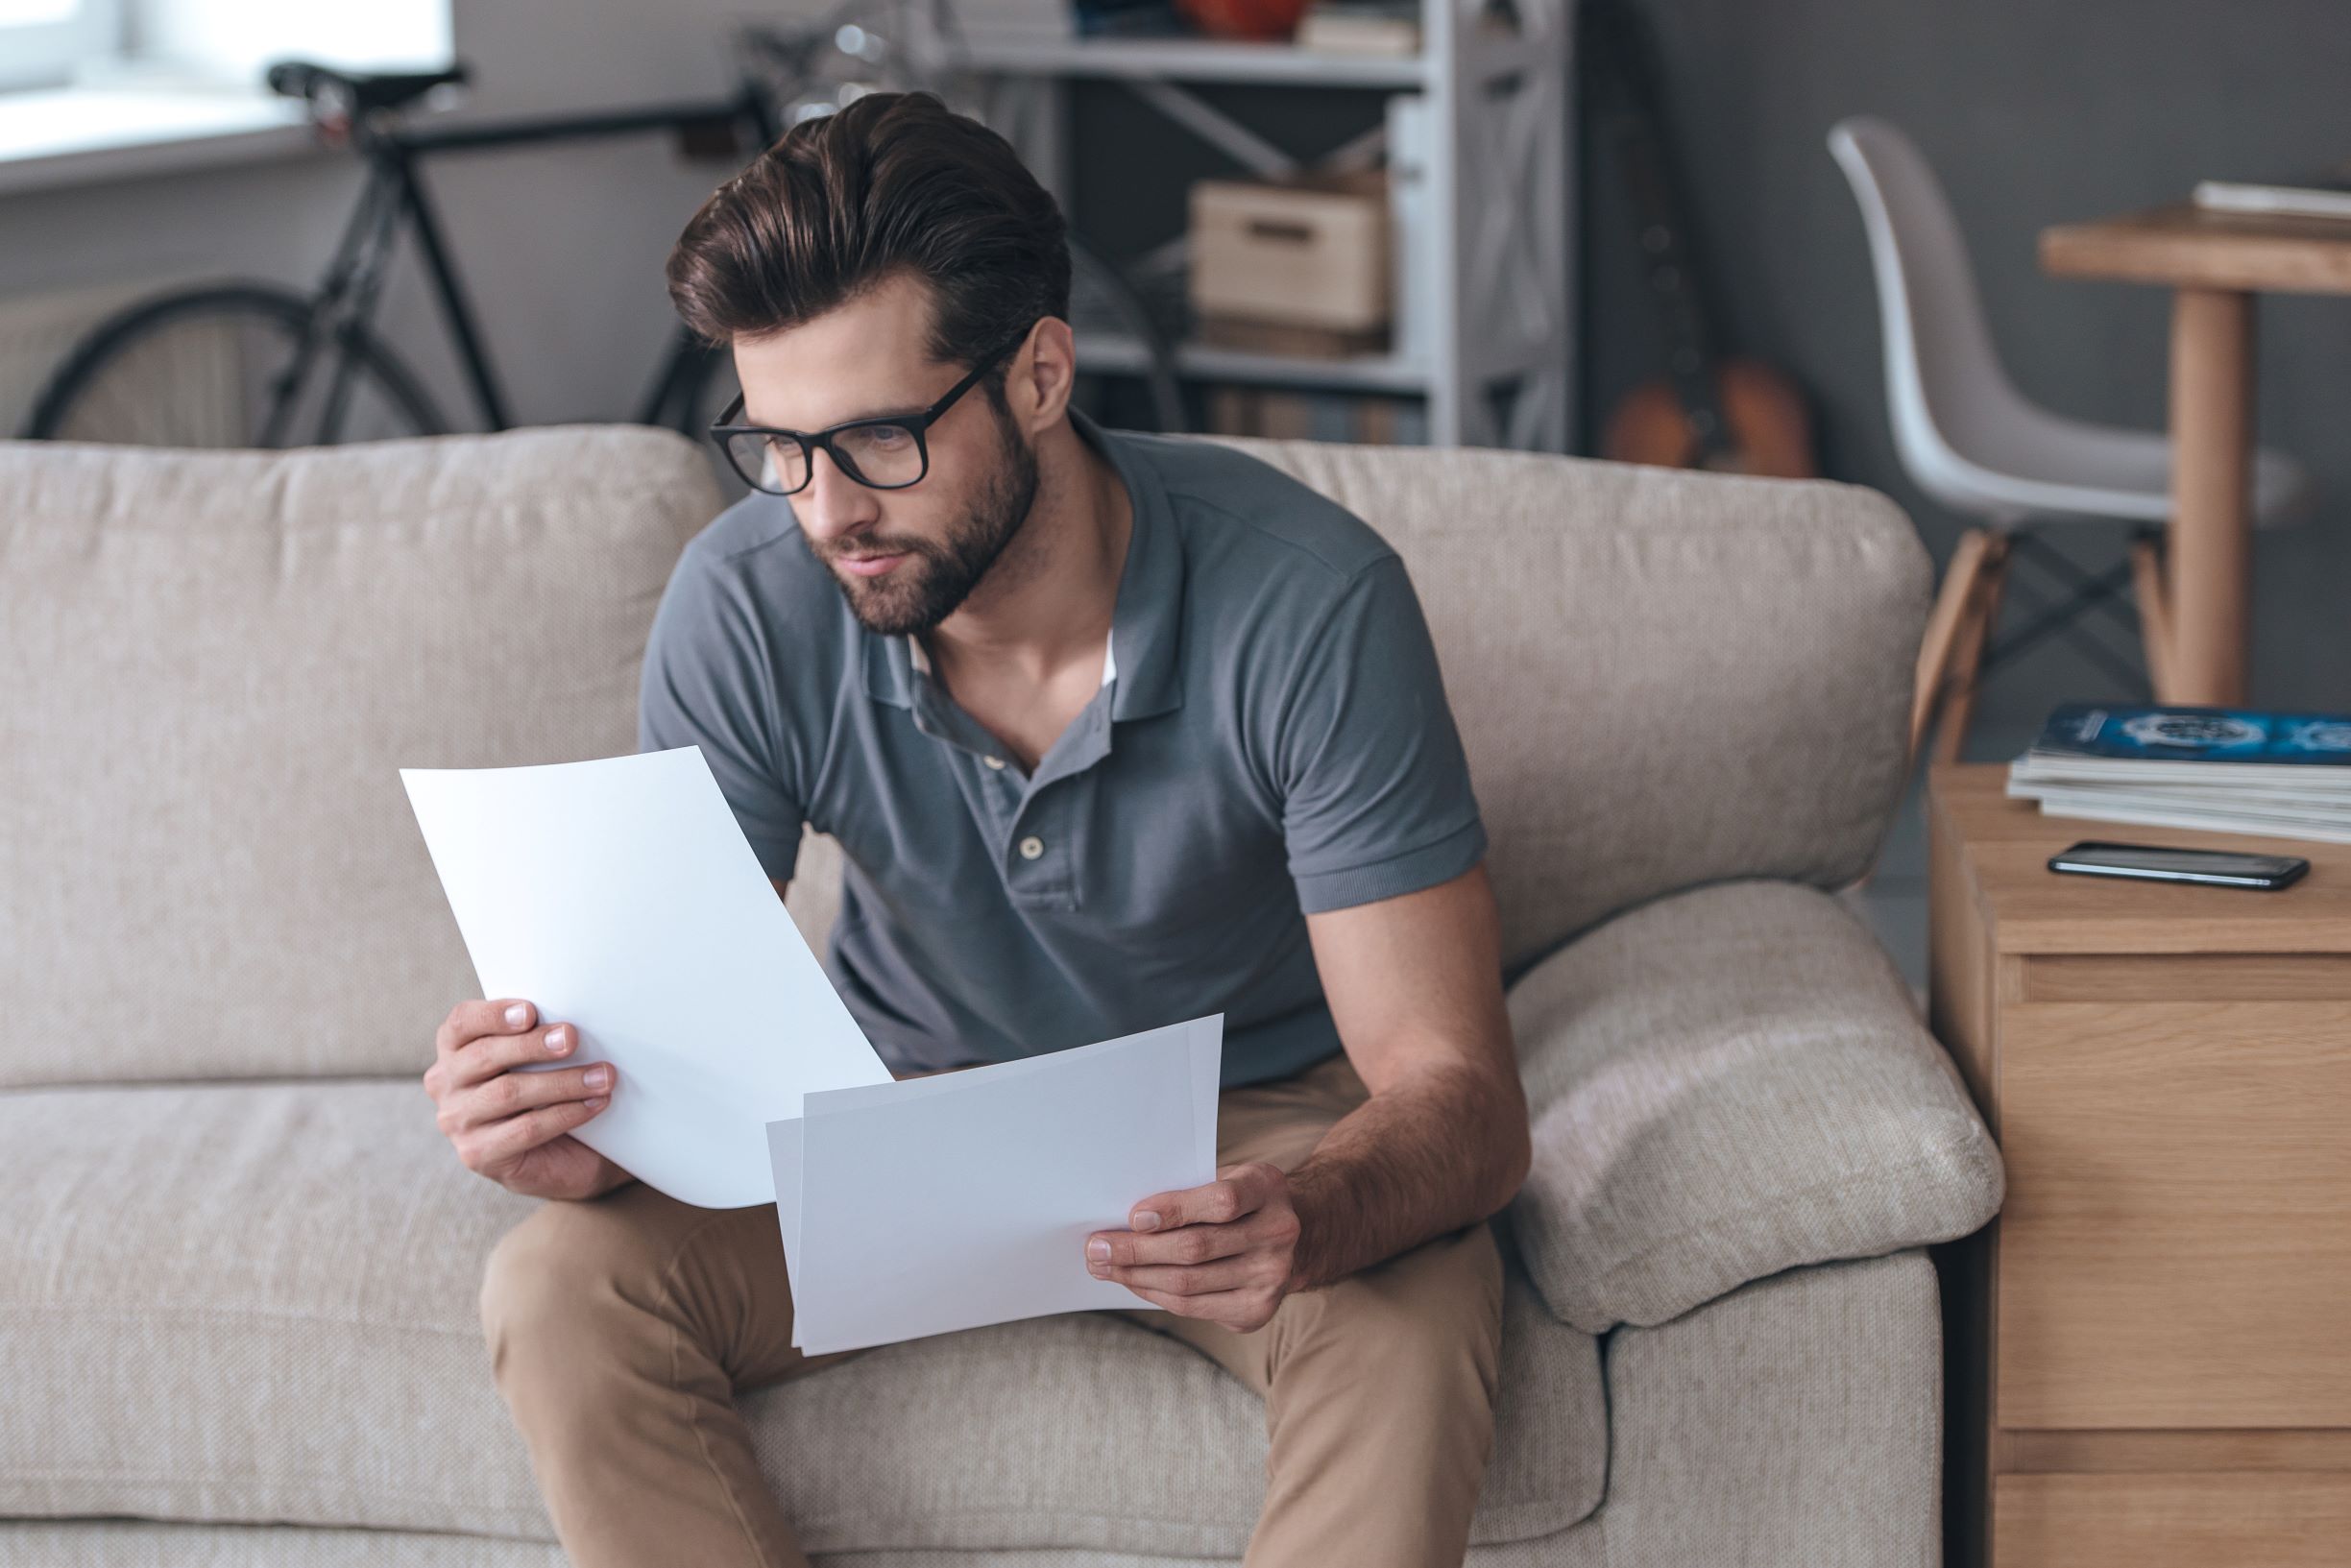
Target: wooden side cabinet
2148	1353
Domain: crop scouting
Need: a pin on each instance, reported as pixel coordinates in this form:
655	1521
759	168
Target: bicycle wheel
209	367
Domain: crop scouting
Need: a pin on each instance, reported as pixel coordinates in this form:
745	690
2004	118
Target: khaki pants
621	1327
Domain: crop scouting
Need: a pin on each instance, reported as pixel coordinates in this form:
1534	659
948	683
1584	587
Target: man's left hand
1226	1251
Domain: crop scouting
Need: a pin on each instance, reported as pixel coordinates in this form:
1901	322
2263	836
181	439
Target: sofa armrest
1724	1084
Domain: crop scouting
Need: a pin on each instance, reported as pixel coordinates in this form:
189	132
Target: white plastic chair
1976	444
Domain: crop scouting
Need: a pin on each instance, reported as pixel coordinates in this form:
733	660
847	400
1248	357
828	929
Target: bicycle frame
395	193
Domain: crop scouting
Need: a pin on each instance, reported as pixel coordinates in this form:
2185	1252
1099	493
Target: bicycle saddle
363	91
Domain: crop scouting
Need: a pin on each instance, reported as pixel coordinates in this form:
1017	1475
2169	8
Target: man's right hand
516	1127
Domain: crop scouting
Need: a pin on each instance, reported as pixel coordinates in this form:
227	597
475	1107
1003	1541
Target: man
1115	730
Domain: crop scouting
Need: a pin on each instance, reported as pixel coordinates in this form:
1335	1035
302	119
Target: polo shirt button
1031	848
996	762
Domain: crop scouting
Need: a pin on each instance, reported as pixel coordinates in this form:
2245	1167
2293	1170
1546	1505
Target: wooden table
2216	264
2149	1350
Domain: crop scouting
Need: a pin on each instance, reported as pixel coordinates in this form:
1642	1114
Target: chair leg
1943	625
2148	588
1967	652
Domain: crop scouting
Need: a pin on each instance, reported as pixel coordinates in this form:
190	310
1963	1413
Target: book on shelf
2228	769
1390	28
2326	196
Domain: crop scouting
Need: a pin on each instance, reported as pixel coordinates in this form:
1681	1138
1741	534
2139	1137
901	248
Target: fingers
492	1054
517	1135
470	1021
1222	1251
1243	1311
1186	1245
1238	1190
510	1095
1249	1271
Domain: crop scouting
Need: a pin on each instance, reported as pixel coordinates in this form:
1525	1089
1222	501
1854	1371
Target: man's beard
915	598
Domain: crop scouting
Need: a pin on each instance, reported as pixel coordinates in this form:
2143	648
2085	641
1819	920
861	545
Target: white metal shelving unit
1492	354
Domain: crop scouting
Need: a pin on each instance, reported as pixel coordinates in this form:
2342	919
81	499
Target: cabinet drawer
2170	1521
2175	1250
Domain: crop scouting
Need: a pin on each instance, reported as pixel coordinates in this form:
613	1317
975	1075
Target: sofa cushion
259	1301
216	662
1724	1084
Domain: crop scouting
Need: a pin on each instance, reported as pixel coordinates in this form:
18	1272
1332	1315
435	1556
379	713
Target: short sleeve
1375	788
708	681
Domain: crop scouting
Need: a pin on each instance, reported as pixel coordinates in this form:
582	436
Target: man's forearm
1440	1151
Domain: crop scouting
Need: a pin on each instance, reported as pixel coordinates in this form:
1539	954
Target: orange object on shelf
1270	21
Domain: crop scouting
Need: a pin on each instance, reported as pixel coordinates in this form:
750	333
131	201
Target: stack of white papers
621	896
952	1201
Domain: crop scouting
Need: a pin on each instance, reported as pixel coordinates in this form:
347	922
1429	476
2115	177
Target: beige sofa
239	1266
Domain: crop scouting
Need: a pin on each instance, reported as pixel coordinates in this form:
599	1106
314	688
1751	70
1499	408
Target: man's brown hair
894	183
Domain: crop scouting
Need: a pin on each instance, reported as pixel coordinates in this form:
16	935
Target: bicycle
282	362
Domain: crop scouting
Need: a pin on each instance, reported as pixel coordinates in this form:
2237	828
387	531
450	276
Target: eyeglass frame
918	425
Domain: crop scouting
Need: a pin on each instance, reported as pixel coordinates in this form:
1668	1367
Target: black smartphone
2148	863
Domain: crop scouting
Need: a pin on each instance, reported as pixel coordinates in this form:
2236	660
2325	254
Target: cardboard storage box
1310	253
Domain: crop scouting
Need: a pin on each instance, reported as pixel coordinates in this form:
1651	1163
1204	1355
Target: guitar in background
1731	414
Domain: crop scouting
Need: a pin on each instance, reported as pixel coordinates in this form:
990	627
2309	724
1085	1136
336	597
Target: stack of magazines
2281	775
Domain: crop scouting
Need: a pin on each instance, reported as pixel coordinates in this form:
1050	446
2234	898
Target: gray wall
2034	113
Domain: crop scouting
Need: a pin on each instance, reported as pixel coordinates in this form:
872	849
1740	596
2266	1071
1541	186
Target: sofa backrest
1661	678
212	667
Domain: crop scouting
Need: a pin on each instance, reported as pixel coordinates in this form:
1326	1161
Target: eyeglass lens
877	454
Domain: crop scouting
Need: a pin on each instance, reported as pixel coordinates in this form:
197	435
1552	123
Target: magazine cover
2195	734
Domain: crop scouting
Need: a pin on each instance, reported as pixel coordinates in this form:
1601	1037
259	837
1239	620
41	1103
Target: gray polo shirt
1270	740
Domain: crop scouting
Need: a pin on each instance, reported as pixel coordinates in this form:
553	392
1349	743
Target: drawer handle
1288	232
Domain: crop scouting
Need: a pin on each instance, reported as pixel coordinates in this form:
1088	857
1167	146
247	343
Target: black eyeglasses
889	453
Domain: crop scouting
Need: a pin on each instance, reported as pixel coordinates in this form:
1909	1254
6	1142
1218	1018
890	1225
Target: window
44	42
232	41
86	86
56	43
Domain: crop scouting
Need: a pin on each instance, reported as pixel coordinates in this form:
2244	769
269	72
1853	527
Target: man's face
904	559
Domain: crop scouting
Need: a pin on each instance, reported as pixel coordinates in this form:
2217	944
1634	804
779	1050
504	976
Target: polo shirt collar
920	661
889	675
1145	620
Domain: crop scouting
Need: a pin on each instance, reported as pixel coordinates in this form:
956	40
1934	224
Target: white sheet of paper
963	1200
1203	1038
621	895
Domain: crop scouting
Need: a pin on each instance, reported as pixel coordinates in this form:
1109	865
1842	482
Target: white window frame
229	41
148	87
50	54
